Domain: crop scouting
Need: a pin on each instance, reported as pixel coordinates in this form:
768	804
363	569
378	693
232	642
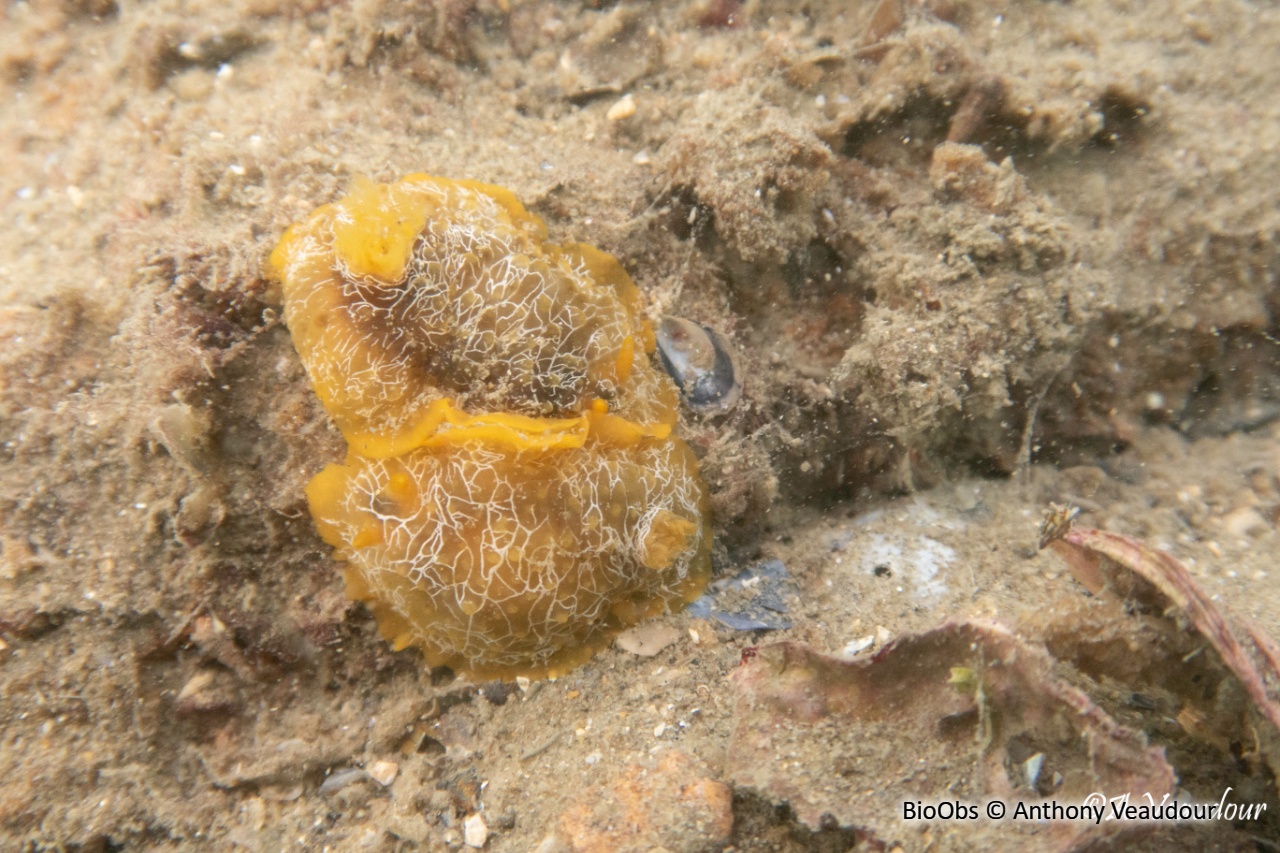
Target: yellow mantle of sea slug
513	495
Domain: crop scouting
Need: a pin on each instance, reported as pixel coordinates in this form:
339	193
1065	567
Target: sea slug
513	494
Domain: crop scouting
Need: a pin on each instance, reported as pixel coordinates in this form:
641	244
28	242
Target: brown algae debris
513	494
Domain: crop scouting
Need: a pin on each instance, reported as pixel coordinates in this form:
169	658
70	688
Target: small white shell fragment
474	831
384	772
196	684
852	647
623	108
1031	769
647	640
340	779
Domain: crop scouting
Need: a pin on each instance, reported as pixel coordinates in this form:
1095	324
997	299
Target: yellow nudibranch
513	494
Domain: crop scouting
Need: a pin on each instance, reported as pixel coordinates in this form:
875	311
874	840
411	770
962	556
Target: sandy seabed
976	257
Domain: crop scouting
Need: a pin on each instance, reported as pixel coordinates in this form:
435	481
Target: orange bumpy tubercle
513	494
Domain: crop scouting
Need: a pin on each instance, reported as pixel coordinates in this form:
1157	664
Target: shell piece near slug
703	364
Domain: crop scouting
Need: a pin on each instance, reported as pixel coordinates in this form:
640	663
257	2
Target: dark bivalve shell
702	363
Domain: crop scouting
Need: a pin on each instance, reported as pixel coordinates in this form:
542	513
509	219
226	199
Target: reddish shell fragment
1103	560
1138	571
952	713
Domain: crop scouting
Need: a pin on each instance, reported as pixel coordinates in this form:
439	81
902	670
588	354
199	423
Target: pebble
1243	521
623	108
474	831
384	772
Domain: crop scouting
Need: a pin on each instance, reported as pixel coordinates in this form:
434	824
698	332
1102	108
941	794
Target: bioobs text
946	810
